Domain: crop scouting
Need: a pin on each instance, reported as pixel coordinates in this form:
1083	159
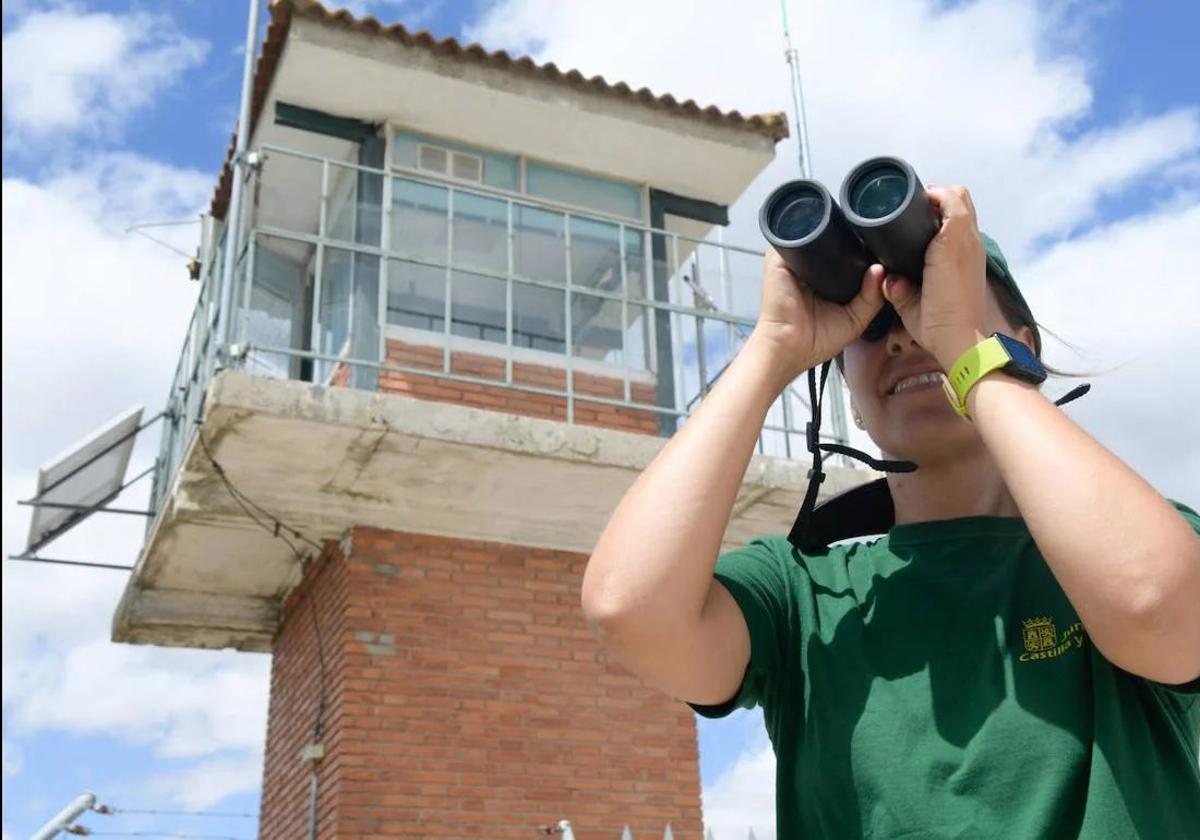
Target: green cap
997	267
998	272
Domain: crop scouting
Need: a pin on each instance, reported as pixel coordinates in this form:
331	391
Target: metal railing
339	258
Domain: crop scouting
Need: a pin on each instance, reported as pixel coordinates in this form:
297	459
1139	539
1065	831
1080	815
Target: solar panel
86	476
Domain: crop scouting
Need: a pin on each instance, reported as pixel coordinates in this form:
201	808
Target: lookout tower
471	297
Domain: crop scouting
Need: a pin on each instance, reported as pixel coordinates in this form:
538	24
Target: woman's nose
898	339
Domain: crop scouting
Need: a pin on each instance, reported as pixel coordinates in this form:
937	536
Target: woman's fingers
900	292
869	300
951	202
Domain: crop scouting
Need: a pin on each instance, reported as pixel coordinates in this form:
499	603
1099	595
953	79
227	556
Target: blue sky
1085	111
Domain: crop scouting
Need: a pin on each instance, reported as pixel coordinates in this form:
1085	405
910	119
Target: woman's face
896	388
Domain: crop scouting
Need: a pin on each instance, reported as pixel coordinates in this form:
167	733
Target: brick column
466	698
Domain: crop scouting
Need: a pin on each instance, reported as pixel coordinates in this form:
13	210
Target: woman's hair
1017	313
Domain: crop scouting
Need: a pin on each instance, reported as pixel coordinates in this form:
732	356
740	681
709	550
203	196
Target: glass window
539	318
596	328
595	254
354	210
581	190
416	295
477	307
480	232
635	263
334	309
638	342
539	245
420	214
274	317
499	170
287	193
364	323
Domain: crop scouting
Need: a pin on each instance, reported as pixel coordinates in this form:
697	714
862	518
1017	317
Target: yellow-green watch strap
977	362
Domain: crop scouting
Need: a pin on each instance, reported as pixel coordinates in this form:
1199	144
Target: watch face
1024	364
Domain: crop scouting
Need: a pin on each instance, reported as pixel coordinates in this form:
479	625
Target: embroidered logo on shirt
1042	640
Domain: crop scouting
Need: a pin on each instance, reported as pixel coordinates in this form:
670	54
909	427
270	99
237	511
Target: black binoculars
887	218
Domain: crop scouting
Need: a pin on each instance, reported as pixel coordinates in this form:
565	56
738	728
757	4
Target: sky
1075	124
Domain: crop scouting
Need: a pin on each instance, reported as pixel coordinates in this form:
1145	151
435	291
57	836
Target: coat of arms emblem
1039	634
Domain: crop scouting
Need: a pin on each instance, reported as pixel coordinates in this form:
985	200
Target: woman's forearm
654	560
1126	559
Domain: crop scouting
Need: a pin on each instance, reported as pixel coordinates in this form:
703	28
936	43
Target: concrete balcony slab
324	460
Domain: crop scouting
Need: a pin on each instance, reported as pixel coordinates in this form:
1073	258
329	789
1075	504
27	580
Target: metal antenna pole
837	406
233	213
793	59
63	819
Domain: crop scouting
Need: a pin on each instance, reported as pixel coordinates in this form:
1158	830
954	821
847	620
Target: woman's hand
802	329
945	315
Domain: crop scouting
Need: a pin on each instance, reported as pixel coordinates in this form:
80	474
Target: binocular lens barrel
886	205
797	213
803	223
887	219
878	191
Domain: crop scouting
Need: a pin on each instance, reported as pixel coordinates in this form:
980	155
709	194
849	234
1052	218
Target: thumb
901	293
869	300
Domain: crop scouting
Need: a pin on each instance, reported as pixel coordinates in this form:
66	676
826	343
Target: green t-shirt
938	683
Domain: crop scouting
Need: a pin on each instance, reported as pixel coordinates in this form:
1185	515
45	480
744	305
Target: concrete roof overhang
354	73
325	460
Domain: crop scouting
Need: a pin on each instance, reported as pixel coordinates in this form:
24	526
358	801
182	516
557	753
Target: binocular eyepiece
884	216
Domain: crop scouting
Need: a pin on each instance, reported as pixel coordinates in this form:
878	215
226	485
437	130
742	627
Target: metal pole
63	819
841	431
793	60
312	803
237	170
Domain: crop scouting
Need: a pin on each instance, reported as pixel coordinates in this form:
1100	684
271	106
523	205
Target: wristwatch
996	352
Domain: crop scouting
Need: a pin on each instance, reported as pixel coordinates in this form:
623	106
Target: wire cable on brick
280	529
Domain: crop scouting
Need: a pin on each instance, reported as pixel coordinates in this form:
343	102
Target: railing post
624	316
385	244
448	310
508	293
237	171
677	332
568	333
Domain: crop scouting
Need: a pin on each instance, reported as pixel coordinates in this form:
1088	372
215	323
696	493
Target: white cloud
68	71
207	783
93	318
743	797
13	759
973	95
184	703
1125	295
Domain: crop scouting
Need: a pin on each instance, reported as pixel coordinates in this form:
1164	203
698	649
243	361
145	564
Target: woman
1019	655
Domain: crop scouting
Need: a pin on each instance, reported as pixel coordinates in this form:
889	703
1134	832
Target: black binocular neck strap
816	473
1074	394
812	436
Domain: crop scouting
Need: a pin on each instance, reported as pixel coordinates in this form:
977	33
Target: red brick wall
470	700
512	401
295	697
